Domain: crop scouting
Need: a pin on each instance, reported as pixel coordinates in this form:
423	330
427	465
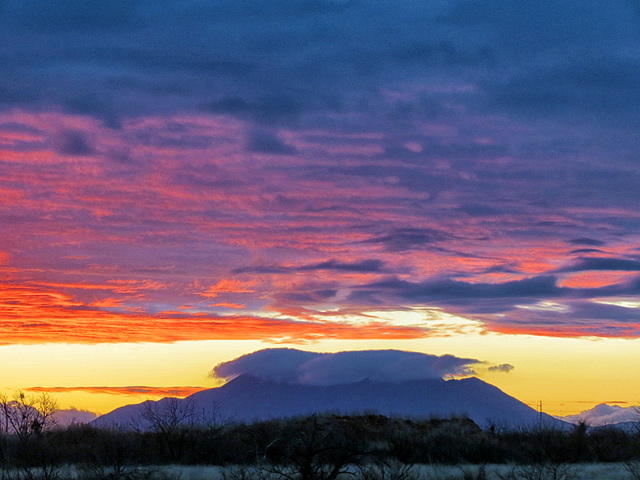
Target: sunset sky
182	183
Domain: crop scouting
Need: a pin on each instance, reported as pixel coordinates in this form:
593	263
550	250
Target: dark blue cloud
75	16
362	266
409	239
603	264
312	297
585	250
511	296
584	317
586	241
261	141
600	86
453	290
550	27
278	60
599	313
471	298
75	143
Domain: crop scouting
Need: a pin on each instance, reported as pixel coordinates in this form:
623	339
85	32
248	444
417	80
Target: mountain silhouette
248	398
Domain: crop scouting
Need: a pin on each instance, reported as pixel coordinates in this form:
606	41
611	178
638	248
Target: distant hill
247	398
65	418
606	415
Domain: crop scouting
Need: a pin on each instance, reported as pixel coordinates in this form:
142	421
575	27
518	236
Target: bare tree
176	421
24	421
4	435
312	448
541	471
632	464
27	415
388	469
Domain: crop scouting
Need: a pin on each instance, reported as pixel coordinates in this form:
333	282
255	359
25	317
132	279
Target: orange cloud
129	391
228	305
40	316
595	279
106	303
230	285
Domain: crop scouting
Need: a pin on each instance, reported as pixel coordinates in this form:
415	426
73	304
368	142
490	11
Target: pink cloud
129	224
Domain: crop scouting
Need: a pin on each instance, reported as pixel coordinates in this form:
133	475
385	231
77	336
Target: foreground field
318	447
584	471
604	471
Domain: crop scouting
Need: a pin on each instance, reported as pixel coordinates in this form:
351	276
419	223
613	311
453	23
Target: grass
586	471
604	471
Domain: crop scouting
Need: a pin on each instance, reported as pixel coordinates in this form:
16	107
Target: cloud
603	414
230	285
275	61
309	368
32	315
504	368
73	143
603	263
586	241
75	16
410	238
261	141
362	266
472	294
585	250
128	391
595	85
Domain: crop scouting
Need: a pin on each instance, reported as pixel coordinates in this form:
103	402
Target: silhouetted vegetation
319	447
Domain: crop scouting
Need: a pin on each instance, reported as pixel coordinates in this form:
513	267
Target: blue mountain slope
247	398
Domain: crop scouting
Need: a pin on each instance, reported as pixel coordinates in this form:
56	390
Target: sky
183	183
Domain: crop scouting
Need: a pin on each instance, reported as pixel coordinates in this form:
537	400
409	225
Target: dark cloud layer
409	238
604	263
362	266
280	59
452	291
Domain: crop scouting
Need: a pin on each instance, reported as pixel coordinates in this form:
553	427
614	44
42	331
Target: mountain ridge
247	398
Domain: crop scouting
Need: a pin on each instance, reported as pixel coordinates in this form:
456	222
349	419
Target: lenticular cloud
309	368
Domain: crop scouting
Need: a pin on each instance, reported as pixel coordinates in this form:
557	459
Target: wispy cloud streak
129	391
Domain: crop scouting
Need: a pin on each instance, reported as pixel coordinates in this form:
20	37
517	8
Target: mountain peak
604	414
605	409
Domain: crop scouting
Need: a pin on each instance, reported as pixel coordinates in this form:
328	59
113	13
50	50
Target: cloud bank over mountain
310	368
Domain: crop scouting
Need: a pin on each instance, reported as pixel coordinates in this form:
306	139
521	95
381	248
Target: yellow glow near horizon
567	375
113	365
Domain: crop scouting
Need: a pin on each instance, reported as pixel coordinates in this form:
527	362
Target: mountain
603	415
72	416
247	398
